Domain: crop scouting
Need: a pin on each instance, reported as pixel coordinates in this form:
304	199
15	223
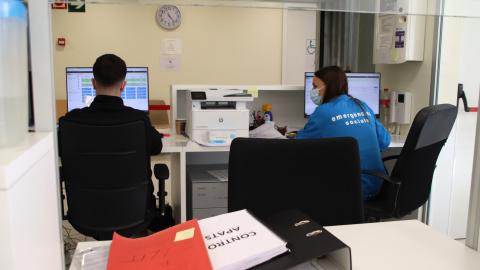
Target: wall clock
169	16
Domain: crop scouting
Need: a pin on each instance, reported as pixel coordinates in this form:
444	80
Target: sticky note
183	235
253	91
393	56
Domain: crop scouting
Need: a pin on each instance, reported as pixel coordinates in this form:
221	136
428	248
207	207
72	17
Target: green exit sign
76	6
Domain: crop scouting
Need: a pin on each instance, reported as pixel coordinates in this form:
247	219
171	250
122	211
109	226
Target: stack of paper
238	240
178	247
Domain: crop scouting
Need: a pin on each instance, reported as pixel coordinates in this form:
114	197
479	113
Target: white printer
216	117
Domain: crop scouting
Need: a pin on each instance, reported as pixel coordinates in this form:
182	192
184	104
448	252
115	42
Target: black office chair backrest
417	160
106	172
321	177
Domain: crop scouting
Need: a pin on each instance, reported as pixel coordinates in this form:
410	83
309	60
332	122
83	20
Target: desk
183	152
397	141
192	153
403	245
178	148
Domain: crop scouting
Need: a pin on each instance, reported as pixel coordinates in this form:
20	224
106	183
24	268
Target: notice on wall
394	55
384	41
400	37
170	63
387	24
171	46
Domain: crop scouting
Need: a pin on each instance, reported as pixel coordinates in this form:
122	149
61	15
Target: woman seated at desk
340	115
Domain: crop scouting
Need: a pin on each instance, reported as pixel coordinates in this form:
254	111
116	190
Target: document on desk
237	240
94	258
266	131
178	247
221	175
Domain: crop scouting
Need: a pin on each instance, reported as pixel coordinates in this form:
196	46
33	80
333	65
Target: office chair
106	171
320	177
409	184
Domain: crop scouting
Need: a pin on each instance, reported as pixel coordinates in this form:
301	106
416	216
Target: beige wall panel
219	45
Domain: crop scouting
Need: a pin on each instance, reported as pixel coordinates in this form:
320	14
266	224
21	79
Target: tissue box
225	136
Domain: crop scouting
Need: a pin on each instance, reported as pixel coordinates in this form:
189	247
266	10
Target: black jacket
109	110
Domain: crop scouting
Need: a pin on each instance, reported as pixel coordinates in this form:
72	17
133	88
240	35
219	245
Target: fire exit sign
76	6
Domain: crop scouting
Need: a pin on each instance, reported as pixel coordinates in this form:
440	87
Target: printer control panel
198	95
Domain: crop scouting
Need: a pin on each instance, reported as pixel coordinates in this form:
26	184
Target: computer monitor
79	86
363	86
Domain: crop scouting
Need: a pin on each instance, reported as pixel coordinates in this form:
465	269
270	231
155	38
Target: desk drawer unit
206	195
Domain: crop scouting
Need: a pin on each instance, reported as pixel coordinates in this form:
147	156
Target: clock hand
169	15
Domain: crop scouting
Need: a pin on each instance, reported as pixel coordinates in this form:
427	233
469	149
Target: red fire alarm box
61	41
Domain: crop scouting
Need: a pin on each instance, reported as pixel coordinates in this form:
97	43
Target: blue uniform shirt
342	117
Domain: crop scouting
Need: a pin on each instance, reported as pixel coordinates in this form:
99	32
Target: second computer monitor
364	86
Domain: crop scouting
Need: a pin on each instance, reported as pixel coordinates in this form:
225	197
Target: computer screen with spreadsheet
80	88
364	86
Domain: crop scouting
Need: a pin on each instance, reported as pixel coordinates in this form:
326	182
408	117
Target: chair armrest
390	157
161	171
381	175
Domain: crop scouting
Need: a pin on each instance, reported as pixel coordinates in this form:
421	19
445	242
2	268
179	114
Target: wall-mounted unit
399	37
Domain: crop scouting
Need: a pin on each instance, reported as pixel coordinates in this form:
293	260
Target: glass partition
450	58
452	8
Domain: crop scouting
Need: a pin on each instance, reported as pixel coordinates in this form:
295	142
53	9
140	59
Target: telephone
400	107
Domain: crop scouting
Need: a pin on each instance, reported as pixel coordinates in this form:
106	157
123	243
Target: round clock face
169	16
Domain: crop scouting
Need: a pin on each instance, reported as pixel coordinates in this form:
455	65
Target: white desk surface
173	143
397	140
404	245
178	143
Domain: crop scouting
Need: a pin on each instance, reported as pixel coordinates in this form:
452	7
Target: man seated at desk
109	72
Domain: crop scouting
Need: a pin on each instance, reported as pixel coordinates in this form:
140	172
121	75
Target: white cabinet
29	206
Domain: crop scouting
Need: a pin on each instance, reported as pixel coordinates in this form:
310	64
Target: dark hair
336	84
109	69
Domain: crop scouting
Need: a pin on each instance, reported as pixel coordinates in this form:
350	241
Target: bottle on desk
385	111
267	112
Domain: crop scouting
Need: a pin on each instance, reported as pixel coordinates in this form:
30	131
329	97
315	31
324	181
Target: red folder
178	247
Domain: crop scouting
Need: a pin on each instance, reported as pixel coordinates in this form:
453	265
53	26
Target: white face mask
318	100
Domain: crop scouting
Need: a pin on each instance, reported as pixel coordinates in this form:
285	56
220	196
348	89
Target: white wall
441	196
298	27
468	54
